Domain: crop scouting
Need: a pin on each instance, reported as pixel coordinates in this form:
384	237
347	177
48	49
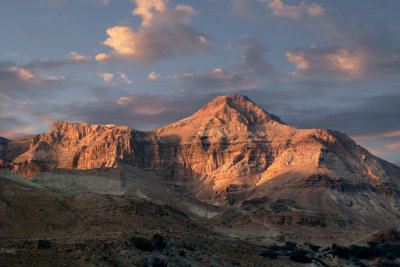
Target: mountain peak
232	99
240	104
224	116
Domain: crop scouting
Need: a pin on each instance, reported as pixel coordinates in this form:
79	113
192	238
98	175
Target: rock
228	152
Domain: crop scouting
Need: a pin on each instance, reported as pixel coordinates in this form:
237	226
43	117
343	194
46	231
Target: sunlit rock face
228	151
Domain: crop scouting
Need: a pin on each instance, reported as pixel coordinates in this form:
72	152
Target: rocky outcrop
229	151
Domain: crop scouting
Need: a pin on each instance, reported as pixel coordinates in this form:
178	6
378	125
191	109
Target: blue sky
147	63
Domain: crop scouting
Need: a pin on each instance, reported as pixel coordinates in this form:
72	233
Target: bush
274	247
142	244
300	255
159	242
289	246
341	252
159	263
43	243
269	253
312	246
182	253
363	252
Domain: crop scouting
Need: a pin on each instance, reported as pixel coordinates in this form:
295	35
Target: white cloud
107	77
124	77
153	76
77	57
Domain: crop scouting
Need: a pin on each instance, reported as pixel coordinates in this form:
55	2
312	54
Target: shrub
289	246
341	252
182	253
363	252
159	263
43	243
274	247
300	255
142	244
159	242
312	246
269	253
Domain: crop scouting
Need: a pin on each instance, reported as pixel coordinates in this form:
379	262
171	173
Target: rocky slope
228	152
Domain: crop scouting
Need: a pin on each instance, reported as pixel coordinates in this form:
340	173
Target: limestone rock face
229	151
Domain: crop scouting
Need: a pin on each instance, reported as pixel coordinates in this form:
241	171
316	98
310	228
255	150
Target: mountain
231	153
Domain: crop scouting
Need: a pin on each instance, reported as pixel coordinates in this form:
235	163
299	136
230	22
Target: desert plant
43	243
341	252
289	246
269	253
159	242
300	255
142	244
363	252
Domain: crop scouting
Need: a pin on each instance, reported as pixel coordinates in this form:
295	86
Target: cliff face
228	151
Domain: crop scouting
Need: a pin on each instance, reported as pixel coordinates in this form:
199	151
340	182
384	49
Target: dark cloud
139	111
253	60
21	82
12	127
365	54
367	115
217	80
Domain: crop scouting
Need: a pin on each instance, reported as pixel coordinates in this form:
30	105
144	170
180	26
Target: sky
148	63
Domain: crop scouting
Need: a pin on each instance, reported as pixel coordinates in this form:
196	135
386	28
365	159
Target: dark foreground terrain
43	227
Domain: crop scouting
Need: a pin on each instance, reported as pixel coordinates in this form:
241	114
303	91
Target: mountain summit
225	116
228	152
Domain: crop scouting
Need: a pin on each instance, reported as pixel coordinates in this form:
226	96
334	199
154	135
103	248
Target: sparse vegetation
300	255
44	243
383	254
142	243
159	242
313	247
270	253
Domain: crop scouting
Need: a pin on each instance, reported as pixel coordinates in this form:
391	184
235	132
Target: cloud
327	61
164	33
253	61
366	118
11	127
140	111
153	76
395	133
21	73
143	105
294	12
215	80
77	57
361	54
393	146
107	77
244	8
105	2
11	54
30	82
124	77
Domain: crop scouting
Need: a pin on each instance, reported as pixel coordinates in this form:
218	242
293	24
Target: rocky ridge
228	152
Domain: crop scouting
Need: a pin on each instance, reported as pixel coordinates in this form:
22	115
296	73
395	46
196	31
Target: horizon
146	64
